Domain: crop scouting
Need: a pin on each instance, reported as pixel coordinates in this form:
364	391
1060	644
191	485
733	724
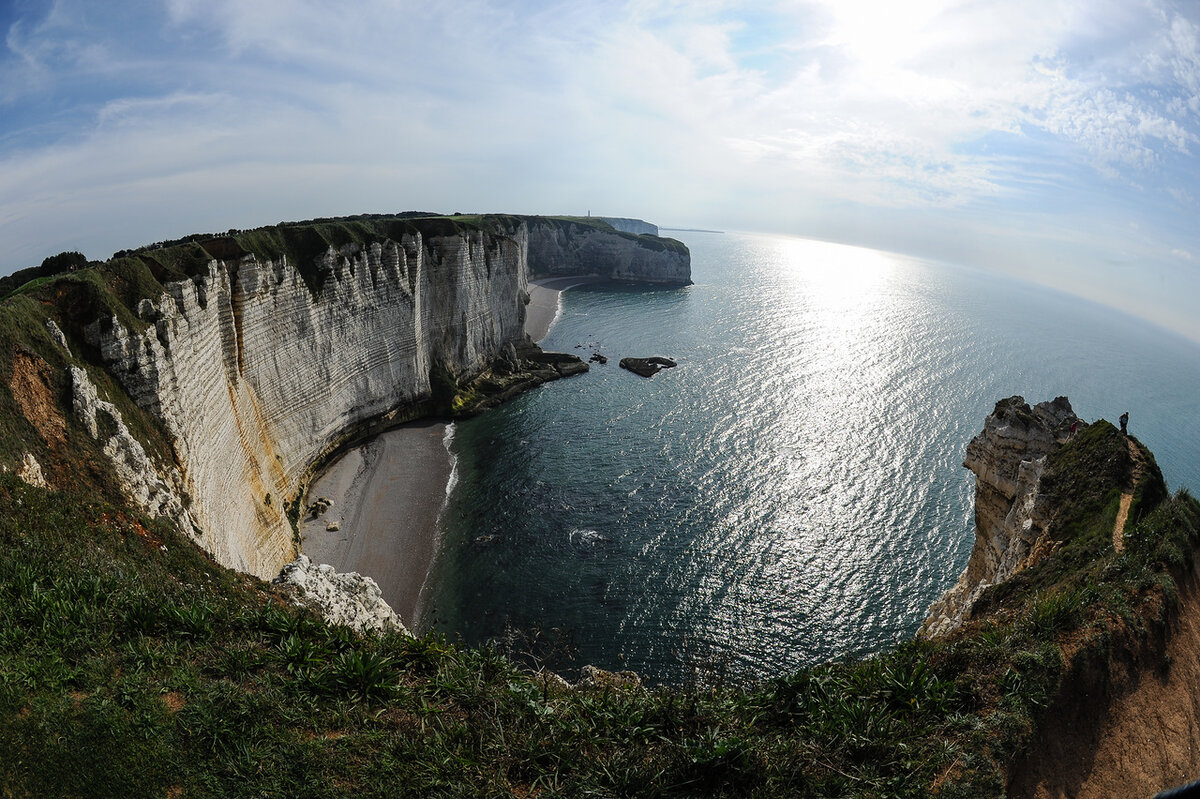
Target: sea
793	491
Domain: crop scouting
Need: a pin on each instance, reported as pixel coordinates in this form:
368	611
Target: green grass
131	664
115	287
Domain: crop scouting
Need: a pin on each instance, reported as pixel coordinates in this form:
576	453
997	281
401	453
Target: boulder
647	367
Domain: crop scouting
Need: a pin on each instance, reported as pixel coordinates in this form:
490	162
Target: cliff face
1011	515
567	248
626	225
258	367
255	377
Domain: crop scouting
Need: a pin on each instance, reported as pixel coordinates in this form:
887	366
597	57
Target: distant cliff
563	246
259	353
636	226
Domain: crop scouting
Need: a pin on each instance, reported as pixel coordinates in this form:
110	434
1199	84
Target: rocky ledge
349	599
647	367
518	369
1011	515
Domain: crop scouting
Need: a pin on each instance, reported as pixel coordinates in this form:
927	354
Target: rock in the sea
1011	518
647	367
598	358
348	599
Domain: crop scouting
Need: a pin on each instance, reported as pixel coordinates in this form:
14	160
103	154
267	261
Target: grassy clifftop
130	664
140	272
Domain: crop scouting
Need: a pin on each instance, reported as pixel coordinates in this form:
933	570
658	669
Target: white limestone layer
1012	518
345	598
255	377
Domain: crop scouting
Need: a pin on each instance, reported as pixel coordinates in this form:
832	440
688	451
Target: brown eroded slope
1131	726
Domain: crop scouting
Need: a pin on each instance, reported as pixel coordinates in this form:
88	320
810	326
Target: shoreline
545	302
387	494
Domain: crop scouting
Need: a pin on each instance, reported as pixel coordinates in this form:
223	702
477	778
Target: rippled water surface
792	492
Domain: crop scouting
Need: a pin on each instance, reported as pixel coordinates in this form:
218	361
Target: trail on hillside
1135	452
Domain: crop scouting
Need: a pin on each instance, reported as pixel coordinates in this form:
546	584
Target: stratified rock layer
257	374
563	248
1011	518
256	377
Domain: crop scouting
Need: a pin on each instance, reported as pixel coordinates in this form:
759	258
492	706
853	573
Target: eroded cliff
1011	516
569	247
260	353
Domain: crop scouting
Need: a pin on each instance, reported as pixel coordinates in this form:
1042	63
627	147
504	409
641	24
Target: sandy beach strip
388	491
544	301
387	494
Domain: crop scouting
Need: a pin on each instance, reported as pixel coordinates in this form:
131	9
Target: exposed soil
1131	726
33	390
174	701
1135	453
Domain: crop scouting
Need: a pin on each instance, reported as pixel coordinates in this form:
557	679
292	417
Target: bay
792	492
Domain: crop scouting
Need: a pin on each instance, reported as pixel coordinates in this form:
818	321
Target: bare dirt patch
1127	496
1136	726
174	701
33	388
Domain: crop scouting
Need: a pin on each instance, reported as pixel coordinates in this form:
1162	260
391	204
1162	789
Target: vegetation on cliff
142	271
131	664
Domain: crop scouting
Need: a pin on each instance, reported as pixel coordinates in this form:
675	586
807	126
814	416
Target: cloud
933	118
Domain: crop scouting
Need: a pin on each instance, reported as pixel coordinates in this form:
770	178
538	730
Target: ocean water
792	492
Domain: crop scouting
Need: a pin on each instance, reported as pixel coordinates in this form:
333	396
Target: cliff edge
172	399
1011	515
212	374
583	246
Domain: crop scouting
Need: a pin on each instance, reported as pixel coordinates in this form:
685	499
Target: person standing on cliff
1124	421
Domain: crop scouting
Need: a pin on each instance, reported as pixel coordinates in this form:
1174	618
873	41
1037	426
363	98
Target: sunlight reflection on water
793	491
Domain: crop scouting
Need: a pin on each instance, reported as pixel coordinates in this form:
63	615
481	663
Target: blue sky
1056	141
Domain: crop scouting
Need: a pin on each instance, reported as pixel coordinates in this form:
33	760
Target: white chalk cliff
1011	520
563	248
256	377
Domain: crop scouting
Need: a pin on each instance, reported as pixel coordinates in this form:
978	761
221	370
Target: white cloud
931	118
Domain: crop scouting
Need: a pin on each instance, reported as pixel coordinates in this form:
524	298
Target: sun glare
881	33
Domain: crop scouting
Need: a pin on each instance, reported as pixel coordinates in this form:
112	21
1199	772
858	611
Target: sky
1054	140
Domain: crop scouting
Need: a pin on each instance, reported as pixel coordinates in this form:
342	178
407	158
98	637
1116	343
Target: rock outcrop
348	599
258	366
558	247
136	473
31	472
647	367
1011	516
